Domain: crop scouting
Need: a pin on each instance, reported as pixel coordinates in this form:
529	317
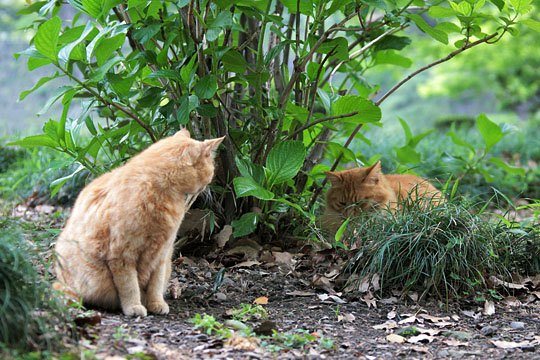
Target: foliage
445	250
278	78
249	312
29	314
8	156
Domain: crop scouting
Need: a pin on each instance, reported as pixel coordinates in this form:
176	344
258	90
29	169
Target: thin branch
319	121
299	68
429	66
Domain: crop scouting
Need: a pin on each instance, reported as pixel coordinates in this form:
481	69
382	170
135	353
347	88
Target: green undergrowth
278	341
446	251
31	317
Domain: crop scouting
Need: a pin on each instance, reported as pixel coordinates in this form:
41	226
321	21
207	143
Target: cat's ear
334	177
209	147
374	173
183	133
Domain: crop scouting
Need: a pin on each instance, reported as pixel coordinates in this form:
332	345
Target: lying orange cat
364	189
115	250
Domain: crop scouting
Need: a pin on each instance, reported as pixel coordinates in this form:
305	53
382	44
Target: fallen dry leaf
509	344
224	235
242	343
346	317
413	296
300	293
395	338
511	301
370	300
420	349
391	314
432	332
285	258
409	320
434	319
489	307
261	300
454	342
322	282
334	298
422	338
388	325
498	282
248	263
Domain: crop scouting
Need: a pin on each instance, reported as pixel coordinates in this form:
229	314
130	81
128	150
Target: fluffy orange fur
115	250
365	189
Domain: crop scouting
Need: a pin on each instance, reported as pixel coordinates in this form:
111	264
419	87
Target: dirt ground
360	329
296	287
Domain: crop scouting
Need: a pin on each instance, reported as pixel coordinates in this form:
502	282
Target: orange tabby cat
364	189
115	250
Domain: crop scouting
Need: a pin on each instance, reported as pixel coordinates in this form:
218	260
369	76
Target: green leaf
250	170
46	38
233	61
40	83
407	154
306	6
441	12
366	111
509	169
393	58
341	231
438	35
57	184
107	46
143	35
498	3
36	140
339	47
65	53
166	74
491	132
533	24
456	139
245	225
186	106
215	27
244	186
284	161
206	87
99	74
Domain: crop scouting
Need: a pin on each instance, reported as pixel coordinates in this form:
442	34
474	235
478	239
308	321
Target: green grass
30	316
447	251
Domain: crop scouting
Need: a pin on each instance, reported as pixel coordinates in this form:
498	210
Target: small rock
459	335
517	325
488	330
220	296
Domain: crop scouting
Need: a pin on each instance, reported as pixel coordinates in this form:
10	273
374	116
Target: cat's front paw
158	307
134	310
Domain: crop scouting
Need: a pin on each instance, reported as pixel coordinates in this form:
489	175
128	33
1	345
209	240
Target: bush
30	317
446	250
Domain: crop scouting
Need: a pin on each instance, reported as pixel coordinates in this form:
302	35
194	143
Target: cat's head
198	156
358	190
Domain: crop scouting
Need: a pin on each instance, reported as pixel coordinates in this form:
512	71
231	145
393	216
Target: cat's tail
70	296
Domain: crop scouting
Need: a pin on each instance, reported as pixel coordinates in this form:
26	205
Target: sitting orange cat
115	250
364	189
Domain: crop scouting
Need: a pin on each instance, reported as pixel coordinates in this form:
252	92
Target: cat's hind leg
125	279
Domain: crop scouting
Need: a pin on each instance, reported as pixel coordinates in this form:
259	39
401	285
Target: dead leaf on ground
300	293
413	296
498	282
511	301
387	325
391	314
408	320
422	338
285	258
248	263
510	344
454	342
261	300
334	298
472	314
420	349
370	300
322	282
395	339
224	235
347	317
434	319
489	307
432	332
242	343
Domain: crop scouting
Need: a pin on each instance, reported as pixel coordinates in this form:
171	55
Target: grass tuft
447	250
30	317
